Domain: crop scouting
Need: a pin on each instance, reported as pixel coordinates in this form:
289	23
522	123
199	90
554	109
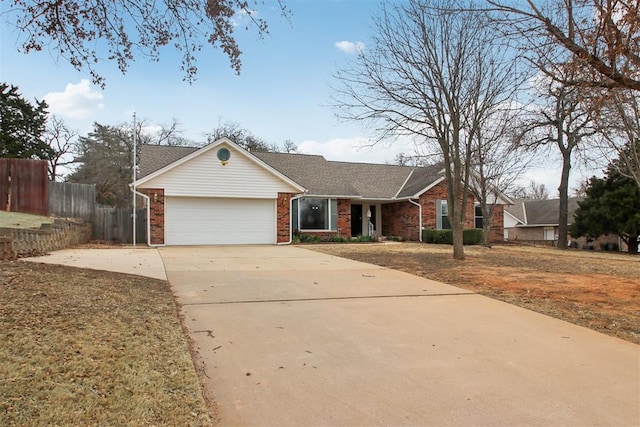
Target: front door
356	220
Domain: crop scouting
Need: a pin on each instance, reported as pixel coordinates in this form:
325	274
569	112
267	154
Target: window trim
330	207
476	217
440	216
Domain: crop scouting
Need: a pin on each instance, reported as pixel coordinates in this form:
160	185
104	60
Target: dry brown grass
22	220
83	347
598	290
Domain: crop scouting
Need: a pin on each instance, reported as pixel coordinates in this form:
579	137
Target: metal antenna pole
134	179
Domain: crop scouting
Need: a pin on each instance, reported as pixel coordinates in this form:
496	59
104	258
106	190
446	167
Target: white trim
211	146
524	212
428	187
404	183
148	209
326	196
316	230
419	218
513	216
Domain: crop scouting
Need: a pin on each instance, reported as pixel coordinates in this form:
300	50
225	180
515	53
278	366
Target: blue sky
282	93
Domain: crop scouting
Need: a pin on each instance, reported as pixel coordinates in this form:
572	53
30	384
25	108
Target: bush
437	236
309	238
470	236
336	238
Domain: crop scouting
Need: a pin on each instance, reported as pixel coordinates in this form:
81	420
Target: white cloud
350	47
78	101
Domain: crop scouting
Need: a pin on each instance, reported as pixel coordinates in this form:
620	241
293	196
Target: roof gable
203	160
541	212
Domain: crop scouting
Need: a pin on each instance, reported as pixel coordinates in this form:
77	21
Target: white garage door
210	221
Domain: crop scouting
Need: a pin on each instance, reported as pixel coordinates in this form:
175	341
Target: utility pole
134	180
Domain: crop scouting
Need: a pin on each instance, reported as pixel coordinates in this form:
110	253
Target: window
478	217
442	218
315	214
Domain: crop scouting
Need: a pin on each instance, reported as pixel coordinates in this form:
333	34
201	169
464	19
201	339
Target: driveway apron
288	336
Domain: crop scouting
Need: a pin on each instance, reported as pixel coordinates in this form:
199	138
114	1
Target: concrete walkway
141	261
293	337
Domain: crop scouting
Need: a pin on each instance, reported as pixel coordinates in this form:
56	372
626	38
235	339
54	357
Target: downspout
148	203
420	218
290	225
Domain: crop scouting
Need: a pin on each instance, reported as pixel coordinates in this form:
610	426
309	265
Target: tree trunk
563	190
487	216
632	244
458	242
456	218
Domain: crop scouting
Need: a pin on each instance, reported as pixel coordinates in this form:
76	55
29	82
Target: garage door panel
211	221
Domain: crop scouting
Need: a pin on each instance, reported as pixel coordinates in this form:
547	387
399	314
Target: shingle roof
541	212
319	175
154	157
313	172
421	178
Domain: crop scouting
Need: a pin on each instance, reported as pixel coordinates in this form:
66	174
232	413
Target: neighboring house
223	194
537	221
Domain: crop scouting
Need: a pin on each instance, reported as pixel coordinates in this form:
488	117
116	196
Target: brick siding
283	217
156	223
401	219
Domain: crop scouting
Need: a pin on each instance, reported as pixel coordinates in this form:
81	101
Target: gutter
290	225
148	203
420	218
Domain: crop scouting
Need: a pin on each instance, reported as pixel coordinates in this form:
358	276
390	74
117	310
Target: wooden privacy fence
24	186
72	200
116	225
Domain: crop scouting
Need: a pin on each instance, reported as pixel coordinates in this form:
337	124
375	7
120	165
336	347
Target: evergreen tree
22	126
612	206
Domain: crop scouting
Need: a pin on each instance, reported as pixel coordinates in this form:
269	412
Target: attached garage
219	221
217	195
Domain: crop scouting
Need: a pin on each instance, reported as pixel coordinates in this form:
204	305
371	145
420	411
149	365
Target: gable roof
535	213
319	176
172	152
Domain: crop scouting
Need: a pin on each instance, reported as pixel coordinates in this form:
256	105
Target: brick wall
497	224
344	217
401	219
156	223
283	212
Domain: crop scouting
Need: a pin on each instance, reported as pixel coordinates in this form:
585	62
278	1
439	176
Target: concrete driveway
289	336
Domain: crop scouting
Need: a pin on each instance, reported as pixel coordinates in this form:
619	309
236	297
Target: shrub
309	238
437	236
336	238
470	236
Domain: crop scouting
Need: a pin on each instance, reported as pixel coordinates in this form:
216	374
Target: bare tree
618	121
86	32
247	140
497	164
62	141
431	74
564	120
534	191
601	37
164	134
